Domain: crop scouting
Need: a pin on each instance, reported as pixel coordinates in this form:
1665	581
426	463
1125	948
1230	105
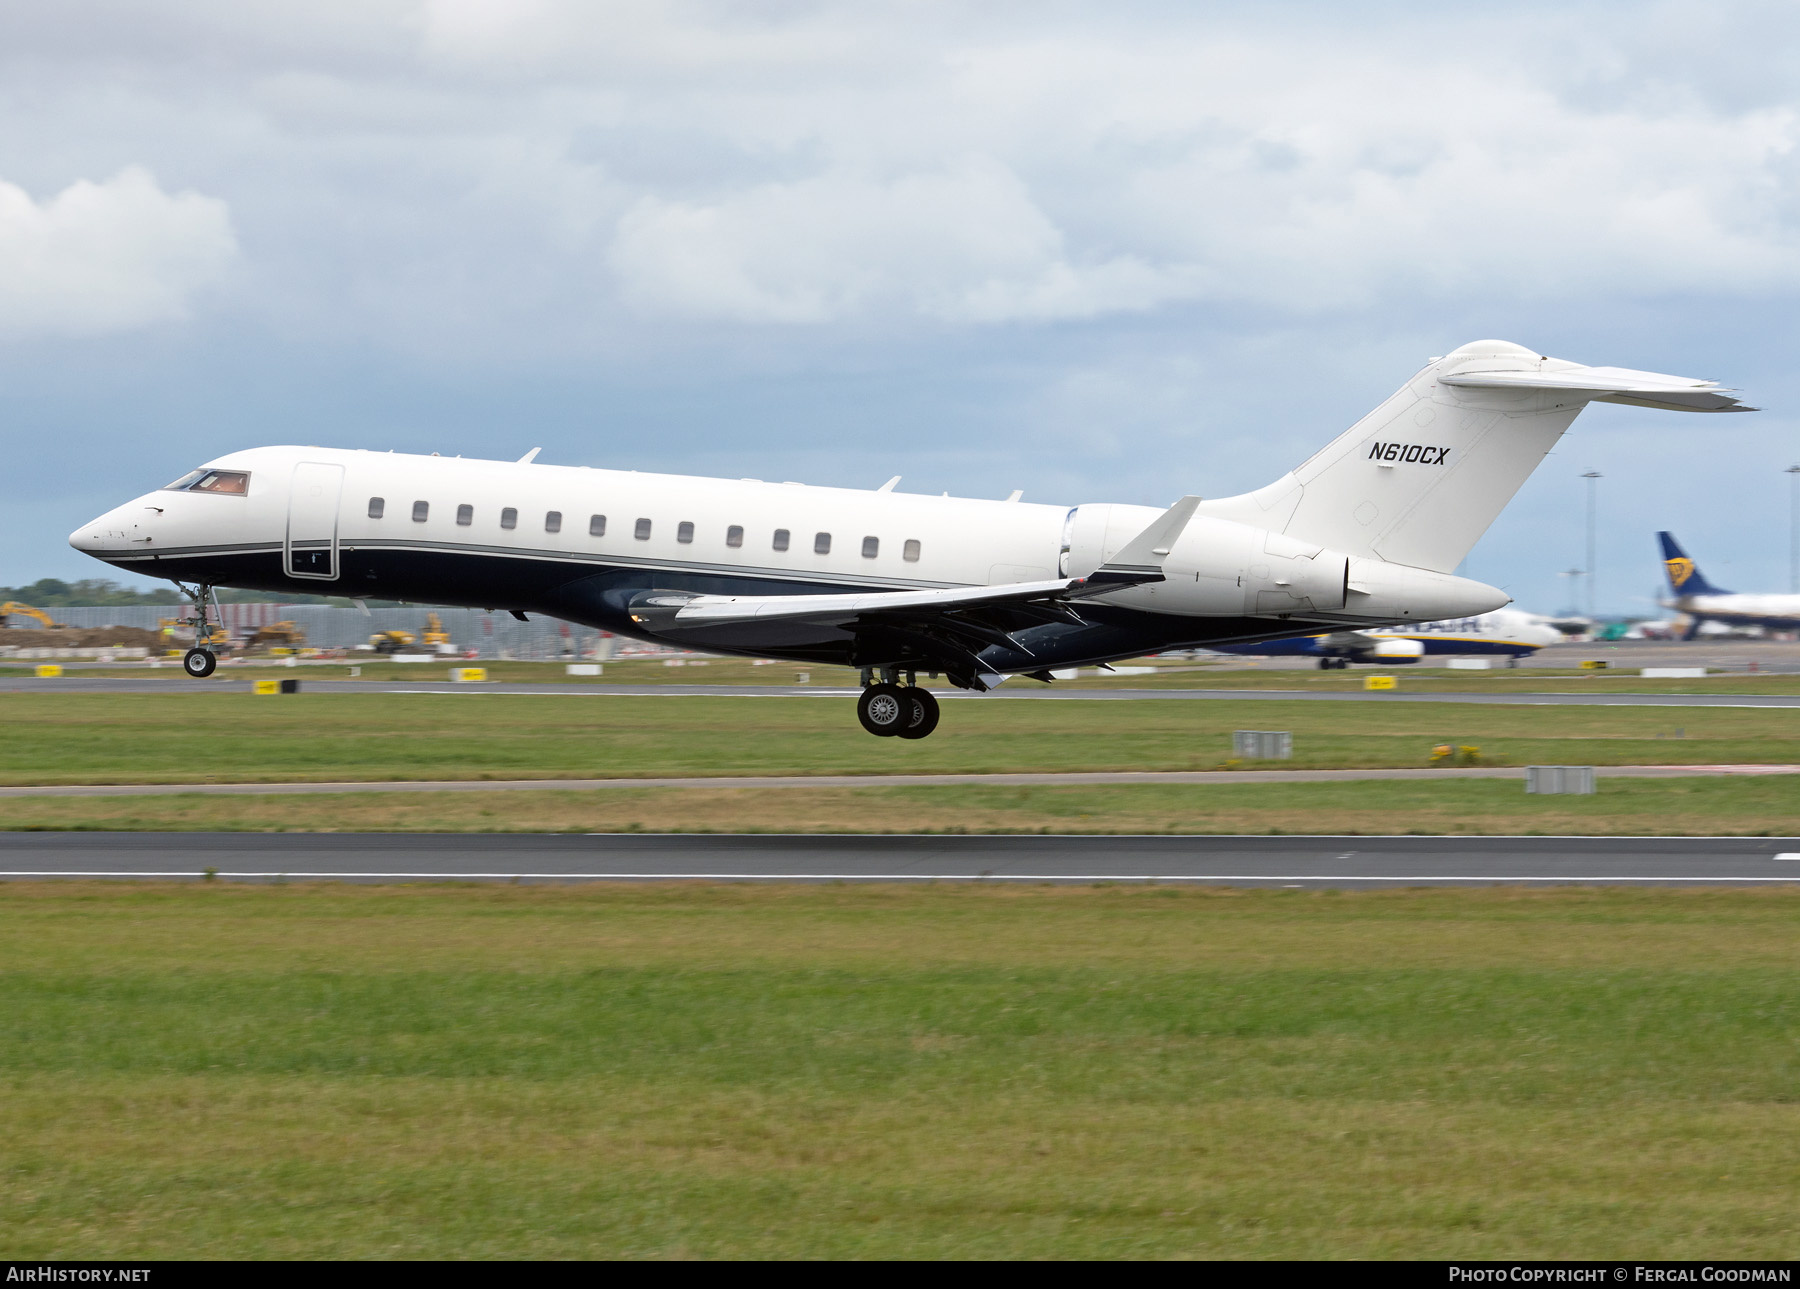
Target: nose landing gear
893	710
199	662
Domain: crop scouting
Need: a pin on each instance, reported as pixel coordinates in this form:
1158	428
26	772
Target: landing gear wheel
1326	664
199	663
922	712
884	710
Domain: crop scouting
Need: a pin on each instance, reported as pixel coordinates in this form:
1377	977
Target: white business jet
1363	535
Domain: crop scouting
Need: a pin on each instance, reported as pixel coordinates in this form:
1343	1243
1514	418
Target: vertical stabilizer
1685	577
1419	480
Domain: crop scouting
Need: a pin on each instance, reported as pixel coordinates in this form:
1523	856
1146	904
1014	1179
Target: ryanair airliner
1504	633
1361	536
1703	602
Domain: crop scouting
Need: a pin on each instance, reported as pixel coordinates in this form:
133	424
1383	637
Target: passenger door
312	528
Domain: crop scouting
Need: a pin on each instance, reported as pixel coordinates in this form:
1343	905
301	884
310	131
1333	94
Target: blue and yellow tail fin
1685	577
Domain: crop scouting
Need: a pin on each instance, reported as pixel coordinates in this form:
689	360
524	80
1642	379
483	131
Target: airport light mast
1793	474
1592	477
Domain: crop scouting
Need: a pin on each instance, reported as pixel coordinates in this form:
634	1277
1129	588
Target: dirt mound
82	638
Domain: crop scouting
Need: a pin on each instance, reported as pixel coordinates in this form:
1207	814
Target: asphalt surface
75	682
1072	778
1342	862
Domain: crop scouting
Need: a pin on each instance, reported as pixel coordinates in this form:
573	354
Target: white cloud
106	257
962	244
496	175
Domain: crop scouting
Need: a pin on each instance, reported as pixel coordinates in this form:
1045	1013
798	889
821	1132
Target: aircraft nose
88	538
105	534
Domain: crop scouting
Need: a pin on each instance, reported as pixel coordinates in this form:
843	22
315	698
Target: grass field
1707	807
187	737
1170	673
825	1071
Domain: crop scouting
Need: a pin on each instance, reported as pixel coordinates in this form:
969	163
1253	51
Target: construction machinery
277	635
434	631
26	611
391	641
215	638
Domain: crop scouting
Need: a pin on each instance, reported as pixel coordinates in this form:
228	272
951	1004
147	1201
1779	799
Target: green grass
1711	806
1171	673
189	737
877	1072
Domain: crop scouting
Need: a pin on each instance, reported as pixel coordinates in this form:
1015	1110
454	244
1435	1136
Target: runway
75	682
1306	862
1053	779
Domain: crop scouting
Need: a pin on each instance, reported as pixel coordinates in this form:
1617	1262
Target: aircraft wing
948	627
706	610
1611	385
1139	562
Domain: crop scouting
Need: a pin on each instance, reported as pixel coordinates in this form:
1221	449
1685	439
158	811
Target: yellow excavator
434	630
26	611
286	634
168	627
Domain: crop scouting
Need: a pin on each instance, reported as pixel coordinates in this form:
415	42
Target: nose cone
109	534
86	539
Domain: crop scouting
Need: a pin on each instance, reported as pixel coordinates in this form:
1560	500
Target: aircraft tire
199	663
883	710
922	711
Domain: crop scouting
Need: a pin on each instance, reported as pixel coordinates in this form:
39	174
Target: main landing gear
892	710
1333	664
199	662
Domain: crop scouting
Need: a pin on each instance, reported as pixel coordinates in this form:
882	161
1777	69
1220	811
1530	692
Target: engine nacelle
1393	651
1219	568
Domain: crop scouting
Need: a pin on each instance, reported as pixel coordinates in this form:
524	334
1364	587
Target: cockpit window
231	482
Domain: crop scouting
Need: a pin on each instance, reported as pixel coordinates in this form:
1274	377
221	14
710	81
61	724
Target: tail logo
1681	568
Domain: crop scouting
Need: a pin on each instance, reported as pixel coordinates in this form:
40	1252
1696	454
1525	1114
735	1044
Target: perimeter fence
473	632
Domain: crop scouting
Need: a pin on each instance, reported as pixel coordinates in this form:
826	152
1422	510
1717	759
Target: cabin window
871	547
376	506
642	532
509	518
421	511
553	522
781	539
910	552
684	532
596	525
465	515
821	543
734	536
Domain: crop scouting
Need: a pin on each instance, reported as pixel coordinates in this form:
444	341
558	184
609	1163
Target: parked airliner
1363	535
1507	633
1703	602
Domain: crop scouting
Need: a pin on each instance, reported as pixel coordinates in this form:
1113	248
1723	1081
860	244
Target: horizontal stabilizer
1610	385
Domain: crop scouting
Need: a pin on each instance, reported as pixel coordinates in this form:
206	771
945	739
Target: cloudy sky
1100	252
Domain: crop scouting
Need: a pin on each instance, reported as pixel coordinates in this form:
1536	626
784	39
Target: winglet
1143	556
889	485
529	457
